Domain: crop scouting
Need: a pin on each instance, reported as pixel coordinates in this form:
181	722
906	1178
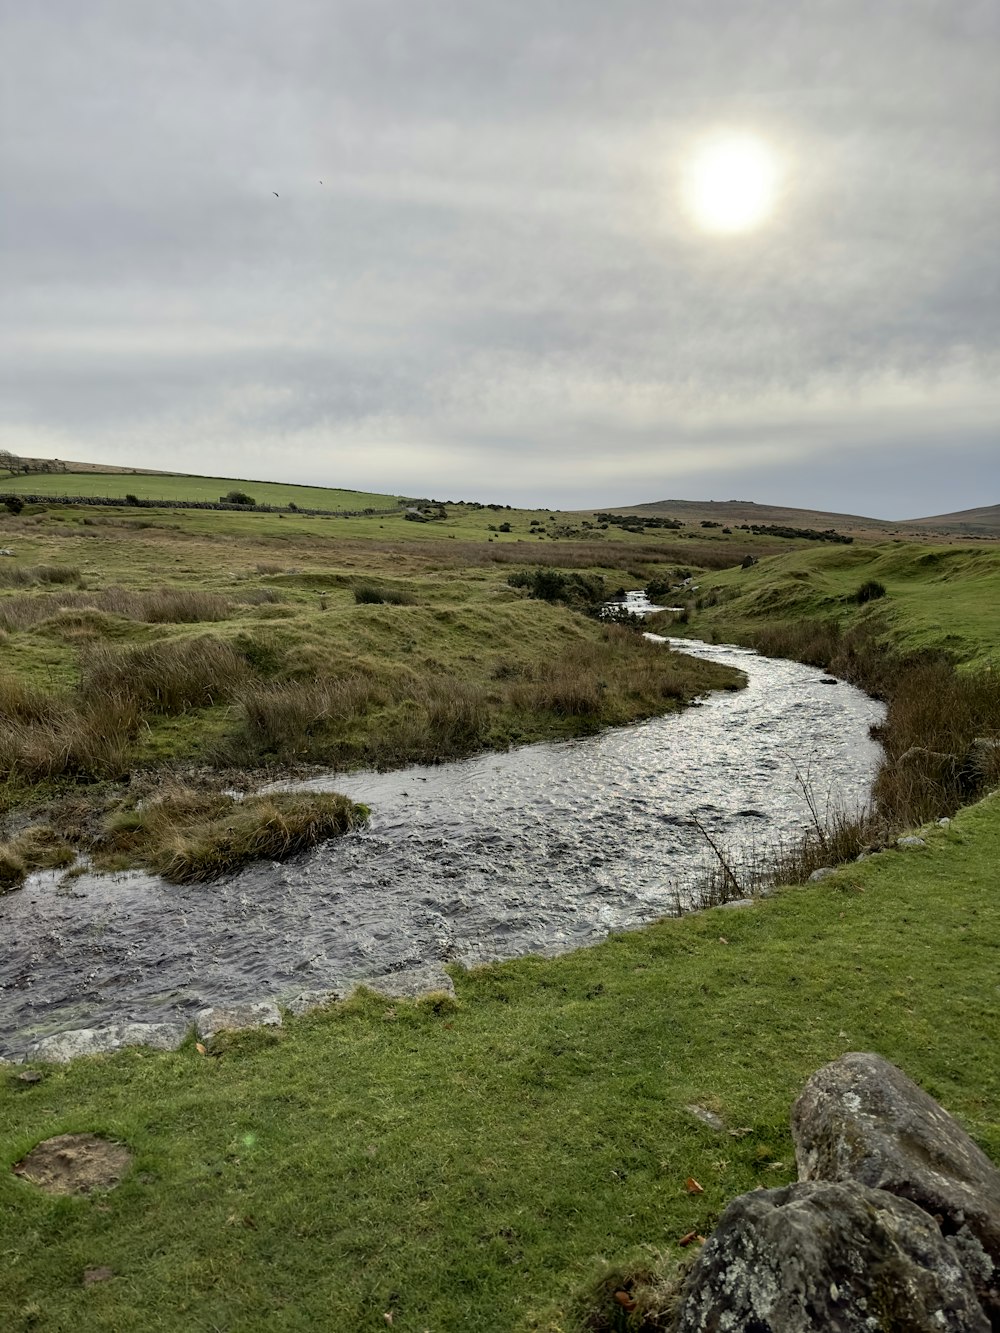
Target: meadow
508	1159
182	487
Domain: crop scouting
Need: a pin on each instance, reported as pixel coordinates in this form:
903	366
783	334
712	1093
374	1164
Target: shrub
869	591
13	504
237	498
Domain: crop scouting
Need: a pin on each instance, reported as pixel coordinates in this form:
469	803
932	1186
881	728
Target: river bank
599	834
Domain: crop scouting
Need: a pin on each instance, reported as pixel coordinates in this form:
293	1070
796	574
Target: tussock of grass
170	676
190	837
163	606
25	576
373	594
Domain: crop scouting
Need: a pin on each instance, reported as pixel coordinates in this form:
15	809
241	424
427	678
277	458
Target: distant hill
748	511
982	522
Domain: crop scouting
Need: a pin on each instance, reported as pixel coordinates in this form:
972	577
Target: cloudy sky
484	275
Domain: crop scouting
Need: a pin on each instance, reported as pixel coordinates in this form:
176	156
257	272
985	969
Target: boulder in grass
860	1118
830	1257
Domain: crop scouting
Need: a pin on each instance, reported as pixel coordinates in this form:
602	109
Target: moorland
509	1158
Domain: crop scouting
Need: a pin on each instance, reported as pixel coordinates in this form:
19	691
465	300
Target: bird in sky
276	194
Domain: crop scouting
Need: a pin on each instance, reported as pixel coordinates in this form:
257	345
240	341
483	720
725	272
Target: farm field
170	487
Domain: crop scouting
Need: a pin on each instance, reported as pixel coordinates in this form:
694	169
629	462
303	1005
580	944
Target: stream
539	850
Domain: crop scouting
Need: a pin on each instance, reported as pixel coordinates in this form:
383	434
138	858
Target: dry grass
26	576
167	677
162	606
191	837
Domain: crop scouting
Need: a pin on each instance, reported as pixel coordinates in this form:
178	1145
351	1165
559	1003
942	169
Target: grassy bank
466	1167
244	645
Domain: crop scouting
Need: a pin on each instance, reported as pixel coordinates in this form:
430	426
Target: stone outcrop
860	1118
236	1018
64	1046
894	1223
837	1257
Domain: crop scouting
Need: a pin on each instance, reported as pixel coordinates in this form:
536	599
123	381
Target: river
538	850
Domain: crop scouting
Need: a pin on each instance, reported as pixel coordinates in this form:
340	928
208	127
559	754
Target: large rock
64	1046
860	1118
236	1018
841	1258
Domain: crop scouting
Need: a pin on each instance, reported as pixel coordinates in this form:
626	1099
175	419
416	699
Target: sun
731	183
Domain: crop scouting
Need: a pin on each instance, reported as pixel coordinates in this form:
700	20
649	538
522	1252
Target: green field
120	484
940	597
478	1164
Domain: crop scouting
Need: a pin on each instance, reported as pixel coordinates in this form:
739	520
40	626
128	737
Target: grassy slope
168	487
465	1169
937	597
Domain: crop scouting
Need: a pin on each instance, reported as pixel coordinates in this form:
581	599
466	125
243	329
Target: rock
738	902
840	1258
911	841
706	1117
236	1018
64	1046
824	872
860	1118
416	981
943	823
829	680
308	1000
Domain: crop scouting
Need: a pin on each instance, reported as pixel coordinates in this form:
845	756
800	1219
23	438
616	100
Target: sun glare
732	184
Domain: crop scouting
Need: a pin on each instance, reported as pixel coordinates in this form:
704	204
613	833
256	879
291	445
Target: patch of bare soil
75	1164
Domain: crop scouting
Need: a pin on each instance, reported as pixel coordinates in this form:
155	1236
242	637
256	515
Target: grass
466	1167
189	837
502	1162
120	484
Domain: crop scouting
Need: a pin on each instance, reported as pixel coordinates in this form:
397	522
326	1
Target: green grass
115	484
469	1167
465	1167
943	597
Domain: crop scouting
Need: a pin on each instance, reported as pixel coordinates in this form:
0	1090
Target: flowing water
539	850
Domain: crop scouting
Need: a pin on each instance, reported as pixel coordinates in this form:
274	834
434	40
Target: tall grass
190	837
162	606
167	677
26	576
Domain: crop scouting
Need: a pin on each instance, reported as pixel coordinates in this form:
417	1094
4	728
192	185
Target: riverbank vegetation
247	646
510	1159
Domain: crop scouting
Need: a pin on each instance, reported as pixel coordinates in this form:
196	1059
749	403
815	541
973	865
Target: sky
447	247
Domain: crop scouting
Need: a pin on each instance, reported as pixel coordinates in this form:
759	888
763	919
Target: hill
984	522
95	480
748	511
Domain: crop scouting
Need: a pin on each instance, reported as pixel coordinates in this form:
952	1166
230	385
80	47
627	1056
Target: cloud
494	285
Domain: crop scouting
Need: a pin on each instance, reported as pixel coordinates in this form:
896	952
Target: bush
13	504
237	498
869	591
